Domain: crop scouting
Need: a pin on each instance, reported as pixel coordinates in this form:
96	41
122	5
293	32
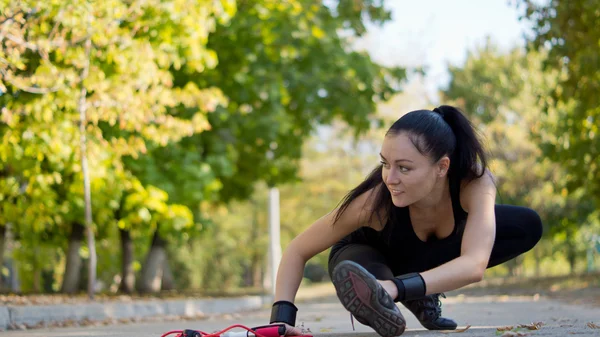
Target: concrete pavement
325	317
41	315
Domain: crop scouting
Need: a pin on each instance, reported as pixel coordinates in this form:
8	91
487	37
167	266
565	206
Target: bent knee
534	226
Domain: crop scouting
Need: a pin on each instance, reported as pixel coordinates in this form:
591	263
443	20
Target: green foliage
500	92
130	92
187	103
286	69
568	30
282	76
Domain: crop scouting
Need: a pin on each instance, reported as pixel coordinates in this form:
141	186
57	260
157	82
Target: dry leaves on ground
508	329
532	326
505	328
513	334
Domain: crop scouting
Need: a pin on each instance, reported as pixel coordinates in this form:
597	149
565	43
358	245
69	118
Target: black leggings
518	229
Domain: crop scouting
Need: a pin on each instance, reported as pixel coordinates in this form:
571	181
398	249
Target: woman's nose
392	177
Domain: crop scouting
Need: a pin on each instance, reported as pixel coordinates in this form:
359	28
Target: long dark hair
443	131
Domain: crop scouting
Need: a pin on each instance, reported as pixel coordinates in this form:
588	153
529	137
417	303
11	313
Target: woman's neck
434	201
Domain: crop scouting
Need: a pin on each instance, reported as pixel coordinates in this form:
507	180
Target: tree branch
22	42
8	79
55	28
11	18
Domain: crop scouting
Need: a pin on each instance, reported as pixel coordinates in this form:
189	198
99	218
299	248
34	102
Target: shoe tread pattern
363	296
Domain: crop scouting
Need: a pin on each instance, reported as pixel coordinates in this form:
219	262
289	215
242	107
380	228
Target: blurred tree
333	162
568	30
133	46
500	93
285	68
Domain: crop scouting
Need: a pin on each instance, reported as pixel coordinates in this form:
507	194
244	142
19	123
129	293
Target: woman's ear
443	165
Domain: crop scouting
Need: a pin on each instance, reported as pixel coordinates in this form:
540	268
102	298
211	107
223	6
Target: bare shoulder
477	190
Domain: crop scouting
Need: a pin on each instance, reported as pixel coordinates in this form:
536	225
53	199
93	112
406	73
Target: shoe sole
432	326
357	290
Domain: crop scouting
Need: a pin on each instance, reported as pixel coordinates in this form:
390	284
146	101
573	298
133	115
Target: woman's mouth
395	192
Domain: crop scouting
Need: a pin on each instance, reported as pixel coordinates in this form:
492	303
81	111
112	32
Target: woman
423	222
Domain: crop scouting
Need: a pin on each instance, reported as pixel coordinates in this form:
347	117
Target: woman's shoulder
472	190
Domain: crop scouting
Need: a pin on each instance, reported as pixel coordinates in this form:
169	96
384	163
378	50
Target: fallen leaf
457	330
532	326
593	326
505	328
513	334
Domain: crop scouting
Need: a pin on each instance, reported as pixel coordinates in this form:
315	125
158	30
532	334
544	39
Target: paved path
327	318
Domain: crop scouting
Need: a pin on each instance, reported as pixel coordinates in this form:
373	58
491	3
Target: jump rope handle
191	333
274	330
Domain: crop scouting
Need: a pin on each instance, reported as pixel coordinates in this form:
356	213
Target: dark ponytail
468	160
443	131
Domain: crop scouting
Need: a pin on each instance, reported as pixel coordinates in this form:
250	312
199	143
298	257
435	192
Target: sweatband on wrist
410	287
285	312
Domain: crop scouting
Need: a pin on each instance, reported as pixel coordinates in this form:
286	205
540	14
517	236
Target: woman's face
408	175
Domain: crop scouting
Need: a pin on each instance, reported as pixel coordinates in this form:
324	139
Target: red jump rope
274	330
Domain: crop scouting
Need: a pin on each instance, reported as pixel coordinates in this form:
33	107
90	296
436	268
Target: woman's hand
290	330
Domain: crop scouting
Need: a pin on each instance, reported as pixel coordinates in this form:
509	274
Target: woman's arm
479	198
318	237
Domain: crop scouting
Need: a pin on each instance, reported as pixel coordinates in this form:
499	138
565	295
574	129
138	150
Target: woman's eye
403	169
383	163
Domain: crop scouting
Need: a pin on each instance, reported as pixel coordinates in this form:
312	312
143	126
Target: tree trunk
2	241
210	270
37	279
256	271
127	272
572	257
71	276
87	194
13	281
152	270
36	269
168	281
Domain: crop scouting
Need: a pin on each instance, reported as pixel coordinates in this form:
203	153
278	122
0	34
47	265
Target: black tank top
398	239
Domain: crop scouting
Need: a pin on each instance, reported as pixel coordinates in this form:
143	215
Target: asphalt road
326	317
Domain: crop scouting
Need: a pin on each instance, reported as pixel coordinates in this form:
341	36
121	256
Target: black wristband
285	312
400	287
410	286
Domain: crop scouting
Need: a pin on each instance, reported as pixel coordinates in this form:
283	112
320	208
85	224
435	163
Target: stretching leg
366	256
518	230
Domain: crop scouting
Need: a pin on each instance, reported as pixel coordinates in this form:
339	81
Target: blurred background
142	141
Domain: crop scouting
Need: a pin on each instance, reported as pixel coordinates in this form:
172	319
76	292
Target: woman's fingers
292	331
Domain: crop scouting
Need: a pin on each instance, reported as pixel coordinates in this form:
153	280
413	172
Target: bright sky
433	32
